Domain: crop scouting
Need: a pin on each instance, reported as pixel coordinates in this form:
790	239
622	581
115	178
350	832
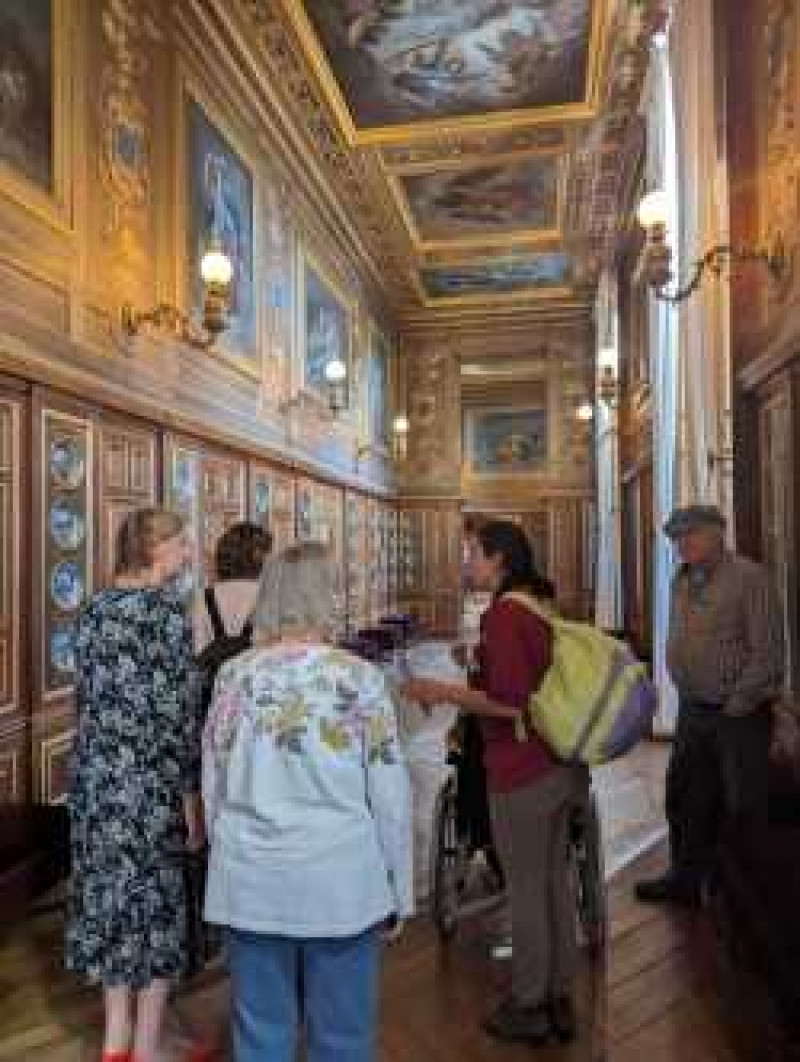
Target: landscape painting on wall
26	89
484	201
503	277
326	329
507	441
397	61
378	389
220	207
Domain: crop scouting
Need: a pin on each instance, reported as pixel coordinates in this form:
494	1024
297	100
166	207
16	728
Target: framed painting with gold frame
36	141
204	134
377	402
324	324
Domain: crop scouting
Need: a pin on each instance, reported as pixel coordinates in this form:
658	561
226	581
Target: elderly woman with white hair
309	821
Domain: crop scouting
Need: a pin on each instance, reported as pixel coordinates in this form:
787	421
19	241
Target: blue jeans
334	981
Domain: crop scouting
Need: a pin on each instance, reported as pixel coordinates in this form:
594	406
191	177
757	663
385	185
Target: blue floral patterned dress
137	751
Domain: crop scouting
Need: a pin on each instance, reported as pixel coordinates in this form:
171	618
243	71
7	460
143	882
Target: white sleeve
213	781
389	792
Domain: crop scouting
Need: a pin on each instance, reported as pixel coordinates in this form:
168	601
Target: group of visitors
290	771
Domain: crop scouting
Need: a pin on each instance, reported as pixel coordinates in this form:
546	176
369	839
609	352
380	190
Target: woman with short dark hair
228	606
531	794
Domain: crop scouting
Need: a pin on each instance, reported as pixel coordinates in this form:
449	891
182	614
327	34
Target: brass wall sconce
608	381
585	412
335	391
400	428
216	269
400	432
653	216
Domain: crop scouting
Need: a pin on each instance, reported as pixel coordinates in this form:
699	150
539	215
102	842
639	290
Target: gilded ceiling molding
278	47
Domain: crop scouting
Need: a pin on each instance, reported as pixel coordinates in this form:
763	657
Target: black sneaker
668	889
562	1019
513	1023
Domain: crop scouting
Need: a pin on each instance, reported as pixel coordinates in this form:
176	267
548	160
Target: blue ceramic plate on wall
67	464
66	586
67	525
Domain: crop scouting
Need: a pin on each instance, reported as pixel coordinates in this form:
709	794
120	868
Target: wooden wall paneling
64	520
392	573
209	487
14	591
271	498
128	474
777	430
356	553
223	499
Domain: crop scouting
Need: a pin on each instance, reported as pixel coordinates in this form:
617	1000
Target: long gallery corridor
399	530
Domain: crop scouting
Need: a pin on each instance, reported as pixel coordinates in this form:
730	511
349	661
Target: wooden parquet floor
656	1001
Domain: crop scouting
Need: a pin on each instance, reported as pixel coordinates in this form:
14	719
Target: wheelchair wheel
446	863
589	877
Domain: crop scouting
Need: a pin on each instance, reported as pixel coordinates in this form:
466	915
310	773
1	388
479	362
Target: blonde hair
139	535
298	590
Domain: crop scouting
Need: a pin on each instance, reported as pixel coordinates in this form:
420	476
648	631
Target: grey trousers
531	834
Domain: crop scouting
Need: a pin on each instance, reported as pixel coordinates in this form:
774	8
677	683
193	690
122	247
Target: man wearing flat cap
725	654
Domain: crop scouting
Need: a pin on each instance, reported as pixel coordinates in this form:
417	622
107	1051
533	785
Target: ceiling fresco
504	277
402	61
487	201
481	148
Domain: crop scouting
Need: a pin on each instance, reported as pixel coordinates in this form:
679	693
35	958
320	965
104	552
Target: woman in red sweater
531	794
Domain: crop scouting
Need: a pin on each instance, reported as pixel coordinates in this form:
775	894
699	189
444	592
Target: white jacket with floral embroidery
307	799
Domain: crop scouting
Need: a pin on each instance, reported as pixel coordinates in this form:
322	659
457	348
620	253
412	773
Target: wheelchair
462	835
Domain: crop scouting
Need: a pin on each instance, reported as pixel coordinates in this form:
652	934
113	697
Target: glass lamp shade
216	268
585	412
400	425
607	359
335	371
653	211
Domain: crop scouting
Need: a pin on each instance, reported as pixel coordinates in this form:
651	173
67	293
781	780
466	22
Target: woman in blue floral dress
134	798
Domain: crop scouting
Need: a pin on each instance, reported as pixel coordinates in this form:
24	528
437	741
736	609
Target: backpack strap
531	604
214	614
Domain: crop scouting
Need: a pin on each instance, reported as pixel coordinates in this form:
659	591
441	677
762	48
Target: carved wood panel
778	535
272	501
64	515
127	457
209	489
10	538
224	501
14	594
356	538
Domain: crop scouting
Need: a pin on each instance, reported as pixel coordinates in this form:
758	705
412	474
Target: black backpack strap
213	613
247	630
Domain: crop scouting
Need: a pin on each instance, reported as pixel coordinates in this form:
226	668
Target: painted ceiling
483	147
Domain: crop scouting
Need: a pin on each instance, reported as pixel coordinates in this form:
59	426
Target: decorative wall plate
67	525
67	463
67	588
62	650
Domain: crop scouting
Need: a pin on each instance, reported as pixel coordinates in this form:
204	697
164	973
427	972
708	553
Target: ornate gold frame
55	209
544	294
513	238
373	329
573	112
188	87
305	258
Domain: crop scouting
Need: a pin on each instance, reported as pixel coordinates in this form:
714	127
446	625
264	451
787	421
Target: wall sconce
336	381
608	382
216	269
335	387
585	412
400	431
653	215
